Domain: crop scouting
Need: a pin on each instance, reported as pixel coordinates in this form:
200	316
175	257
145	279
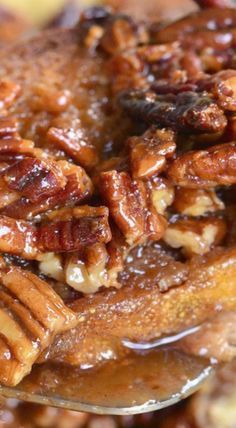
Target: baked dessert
117	160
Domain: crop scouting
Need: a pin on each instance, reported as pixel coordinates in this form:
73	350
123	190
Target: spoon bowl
142	382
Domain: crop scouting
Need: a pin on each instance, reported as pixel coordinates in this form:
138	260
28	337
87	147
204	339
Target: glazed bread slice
139	312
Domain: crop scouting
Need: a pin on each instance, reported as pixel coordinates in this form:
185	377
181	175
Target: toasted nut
74	144
51	265
31	315
87	272
185	112
131	207
162	194
196	202
205	168
195	236
9	91
150	152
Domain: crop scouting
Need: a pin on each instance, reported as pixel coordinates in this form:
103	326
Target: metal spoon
142	382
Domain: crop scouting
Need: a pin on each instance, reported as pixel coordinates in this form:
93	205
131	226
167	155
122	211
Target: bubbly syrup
137	383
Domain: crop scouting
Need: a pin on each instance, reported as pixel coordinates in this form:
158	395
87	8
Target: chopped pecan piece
8	127
161	192
122	33
72	228
78	187
209	19
131	207
222	86
34	178
86	271
205	168
74	144
50	99
90	268
94	34
69	230
9	91
185	112
195	236
18	237
31	315
150	152
196	202
133	68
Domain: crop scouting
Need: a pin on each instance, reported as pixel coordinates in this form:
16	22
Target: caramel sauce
141	381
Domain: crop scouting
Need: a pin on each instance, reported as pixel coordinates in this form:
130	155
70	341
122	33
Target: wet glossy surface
141	382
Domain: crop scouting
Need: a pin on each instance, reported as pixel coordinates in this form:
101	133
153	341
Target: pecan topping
9	91
131	69
86	271
205	168
74	144
53	100
78	187
195	236
71	229
221	86
34	178
65	230
209	19
150	152
196	202
131	207
185	112
122	33
31	315
18	237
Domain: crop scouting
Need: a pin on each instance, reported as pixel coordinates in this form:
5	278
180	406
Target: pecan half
50	99
221	86
68	229
185	112
205	168
18	237
195	236
71	229
150	152
122	33
133	68
131	207
30	316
